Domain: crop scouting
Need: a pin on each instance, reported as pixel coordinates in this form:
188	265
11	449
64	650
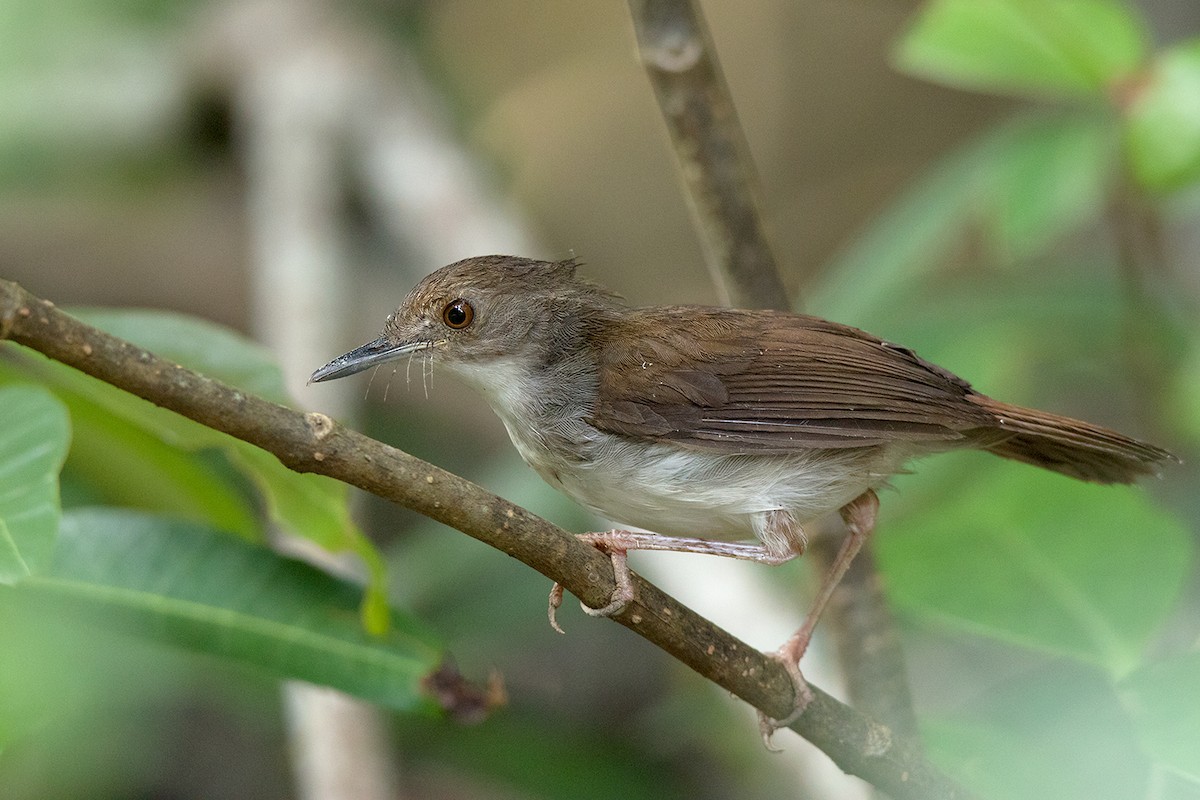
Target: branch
714	160
315	443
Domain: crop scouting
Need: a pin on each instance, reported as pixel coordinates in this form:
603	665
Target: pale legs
783	540
859	515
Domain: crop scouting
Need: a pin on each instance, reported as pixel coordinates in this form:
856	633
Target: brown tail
1079	449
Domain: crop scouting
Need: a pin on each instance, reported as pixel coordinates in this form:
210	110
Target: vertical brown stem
722	189
714	160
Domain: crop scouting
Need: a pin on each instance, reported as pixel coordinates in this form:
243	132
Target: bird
712	430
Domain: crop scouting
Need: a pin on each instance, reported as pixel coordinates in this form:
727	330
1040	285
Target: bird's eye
458	314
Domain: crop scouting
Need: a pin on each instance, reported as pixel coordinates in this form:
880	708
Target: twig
315	443
714	160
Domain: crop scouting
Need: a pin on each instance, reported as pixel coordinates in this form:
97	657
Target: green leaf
191	587
1050	175
1026	182
907	242
33	444
1025	47
310	506
1029	341
61	677
312	503
1064	727
1163	121
123	462
313	506
319	507
1164	701
1030	557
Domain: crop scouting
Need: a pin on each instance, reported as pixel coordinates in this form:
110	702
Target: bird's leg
859	515
618	543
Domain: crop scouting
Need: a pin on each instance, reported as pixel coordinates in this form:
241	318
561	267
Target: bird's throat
542	400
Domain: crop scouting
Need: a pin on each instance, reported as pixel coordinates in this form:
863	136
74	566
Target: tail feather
1070	446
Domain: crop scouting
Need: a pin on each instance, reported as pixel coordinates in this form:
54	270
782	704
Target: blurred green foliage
1069	609
208	585
1093	52
35	435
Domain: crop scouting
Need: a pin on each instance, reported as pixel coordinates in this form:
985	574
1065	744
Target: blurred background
290	169
125	161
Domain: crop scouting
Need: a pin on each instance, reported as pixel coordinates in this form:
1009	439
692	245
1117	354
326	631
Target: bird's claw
622	594
768	725
556	598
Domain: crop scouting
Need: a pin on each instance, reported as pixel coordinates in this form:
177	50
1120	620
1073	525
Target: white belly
676	491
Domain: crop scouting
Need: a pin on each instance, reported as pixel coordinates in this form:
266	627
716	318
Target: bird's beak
370	354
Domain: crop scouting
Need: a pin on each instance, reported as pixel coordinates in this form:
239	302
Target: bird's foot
623	593
789	656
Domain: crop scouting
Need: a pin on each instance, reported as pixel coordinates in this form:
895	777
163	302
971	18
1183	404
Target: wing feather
755	381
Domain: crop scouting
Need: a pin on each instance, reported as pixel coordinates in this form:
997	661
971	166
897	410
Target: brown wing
761	381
